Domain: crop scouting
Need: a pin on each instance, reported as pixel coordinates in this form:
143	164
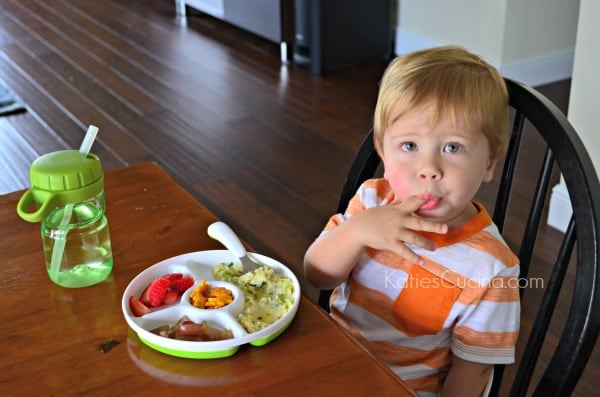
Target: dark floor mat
9	102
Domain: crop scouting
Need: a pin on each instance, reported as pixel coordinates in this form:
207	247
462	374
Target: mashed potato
268	295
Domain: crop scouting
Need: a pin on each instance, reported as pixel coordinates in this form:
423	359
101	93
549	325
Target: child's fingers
421	241
408	254
425	225
411	205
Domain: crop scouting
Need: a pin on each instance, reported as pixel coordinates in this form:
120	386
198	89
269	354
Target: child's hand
390	227
330	258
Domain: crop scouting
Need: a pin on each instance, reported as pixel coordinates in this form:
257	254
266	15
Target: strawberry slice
181	284
145	297
137	307
172	276
171	297
154	294
165	290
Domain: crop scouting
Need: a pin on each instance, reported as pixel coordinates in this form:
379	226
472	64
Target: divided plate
200	265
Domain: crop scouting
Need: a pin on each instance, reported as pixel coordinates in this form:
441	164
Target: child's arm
466	379
330	259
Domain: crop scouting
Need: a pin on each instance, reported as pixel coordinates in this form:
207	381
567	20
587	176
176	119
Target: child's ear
378	147
489	171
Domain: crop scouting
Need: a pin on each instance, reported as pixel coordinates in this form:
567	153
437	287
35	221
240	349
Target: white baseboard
534	72
215	8
542	70
560	210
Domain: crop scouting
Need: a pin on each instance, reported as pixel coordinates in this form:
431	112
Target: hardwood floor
265	146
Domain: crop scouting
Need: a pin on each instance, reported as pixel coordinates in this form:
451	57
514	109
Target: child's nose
429	169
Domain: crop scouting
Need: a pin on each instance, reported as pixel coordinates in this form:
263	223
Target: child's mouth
431	203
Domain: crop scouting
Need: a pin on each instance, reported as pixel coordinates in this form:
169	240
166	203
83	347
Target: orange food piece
197	297
206	297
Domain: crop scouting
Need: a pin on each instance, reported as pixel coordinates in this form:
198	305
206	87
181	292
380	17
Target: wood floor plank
15	157
93	53
31	125
66	83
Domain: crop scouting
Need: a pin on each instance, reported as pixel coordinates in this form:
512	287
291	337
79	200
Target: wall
423	23
529	40
584	102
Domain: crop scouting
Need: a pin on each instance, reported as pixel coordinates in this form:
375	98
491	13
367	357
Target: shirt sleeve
487	330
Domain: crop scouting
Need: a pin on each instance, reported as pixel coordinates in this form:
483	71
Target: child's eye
408	146
452	148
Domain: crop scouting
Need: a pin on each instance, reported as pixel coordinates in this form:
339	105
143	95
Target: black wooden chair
576	336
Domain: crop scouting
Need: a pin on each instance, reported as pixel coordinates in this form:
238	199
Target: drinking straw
61	236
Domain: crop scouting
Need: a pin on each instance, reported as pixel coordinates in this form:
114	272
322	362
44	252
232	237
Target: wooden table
53	337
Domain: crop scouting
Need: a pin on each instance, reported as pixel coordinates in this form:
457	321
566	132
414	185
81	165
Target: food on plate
186	329
204	296
164	290
137	307
267	294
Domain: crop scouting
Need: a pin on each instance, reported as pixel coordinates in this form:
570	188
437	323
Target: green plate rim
191	354
263	341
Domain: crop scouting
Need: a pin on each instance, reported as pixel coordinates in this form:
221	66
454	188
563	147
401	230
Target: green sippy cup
67	197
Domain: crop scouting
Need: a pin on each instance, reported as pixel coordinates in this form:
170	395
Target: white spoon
221	232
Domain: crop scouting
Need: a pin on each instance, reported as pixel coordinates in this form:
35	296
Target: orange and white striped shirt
463	301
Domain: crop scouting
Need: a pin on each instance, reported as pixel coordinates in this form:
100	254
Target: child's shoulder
380	184
496	246
375	192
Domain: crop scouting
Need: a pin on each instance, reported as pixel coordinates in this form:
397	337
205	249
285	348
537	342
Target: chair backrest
574	336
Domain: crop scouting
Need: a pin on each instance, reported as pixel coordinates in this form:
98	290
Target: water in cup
87	256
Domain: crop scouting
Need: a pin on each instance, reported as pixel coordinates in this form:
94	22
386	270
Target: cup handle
28	200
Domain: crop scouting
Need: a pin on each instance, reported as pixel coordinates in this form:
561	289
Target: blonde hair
461	84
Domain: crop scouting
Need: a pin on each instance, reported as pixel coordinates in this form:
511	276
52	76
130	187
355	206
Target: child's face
444	162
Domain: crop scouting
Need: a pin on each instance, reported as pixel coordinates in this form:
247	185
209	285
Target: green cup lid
60	178
65	170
